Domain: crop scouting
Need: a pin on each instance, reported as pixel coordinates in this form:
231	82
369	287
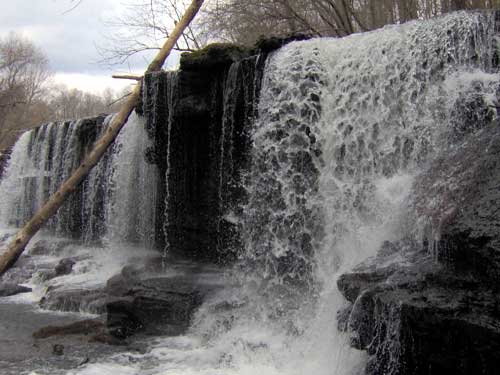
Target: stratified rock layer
199	118
434	308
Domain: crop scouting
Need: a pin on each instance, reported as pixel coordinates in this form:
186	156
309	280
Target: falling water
343	127
117	199
131	210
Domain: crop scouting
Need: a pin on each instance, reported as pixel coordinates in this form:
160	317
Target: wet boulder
212	56
434	307
421	318
155	306
78	300
8	289
459	197
64	267
82	327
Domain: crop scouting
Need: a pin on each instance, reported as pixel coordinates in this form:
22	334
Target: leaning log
24	235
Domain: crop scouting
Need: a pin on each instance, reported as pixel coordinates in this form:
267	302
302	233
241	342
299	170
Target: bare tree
142	26
66	103
24	235
245	21
24	69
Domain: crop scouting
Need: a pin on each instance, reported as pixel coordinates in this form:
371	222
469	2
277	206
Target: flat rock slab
151	301
157	305
415	315
152	310
7	289
91	301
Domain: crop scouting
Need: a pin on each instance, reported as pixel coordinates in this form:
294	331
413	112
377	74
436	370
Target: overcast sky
68	38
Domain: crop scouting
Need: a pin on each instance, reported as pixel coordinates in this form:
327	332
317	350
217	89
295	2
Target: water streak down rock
200	118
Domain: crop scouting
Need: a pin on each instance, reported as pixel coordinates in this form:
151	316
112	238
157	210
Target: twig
117	100
127	76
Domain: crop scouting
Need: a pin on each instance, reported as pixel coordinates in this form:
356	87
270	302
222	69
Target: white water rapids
344	127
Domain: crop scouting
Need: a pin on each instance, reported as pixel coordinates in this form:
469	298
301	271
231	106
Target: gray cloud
68	39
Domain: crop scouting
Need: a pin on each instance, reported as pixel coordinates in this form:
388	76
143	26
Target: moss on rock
213	55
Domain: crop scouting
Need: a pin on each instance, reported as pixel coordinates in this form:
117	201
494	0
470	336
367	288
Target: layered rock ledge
434	307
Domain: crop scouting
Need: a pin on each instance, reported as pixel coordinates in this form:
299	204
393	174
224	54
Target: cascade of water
118	196
172	84
11	188
343	128
130	210
44	157
239	102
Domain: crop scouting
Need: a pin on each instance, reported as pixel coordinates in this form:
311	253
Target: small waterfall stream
116	202
342	128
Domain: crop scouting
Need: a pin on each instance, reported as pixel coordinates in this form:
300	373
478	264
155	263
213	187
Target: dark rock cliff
434	308
4	158
199	118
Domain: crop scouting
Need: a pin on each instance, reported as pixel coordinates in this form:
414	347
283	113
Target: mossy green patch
213	55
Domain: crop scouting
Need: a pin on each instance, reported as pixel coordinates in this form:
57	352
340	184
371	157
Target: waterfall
343	127
295	171
117	200
131	208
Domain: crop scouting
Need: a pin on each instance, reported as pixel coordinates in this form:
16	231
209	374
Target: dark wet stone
82	327
419	311
213	55
437	311
64	267
205	180
464	212
106	338
44	275
420	316
7	289
267	45
160	305
77	300
46	247
58	349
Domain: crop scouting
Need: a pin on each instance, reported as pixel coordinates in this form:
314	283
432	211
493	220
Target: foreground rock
434	308
134	303
22	354
94	329
91	301
7	289
420	318
161	305
82	327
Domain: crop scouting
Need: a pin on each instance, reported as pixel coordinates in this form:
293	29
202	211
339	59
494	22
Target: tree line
28	97
145	23
244	21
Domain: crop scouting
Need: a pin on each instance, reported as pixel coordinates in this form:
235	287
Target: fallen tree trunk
24	235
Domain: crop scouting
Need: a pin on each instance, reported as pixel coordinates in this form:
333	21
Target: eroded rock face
4	158
201	116
138	300
7	289
421	318
434	307
79	300
464	212
162	305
